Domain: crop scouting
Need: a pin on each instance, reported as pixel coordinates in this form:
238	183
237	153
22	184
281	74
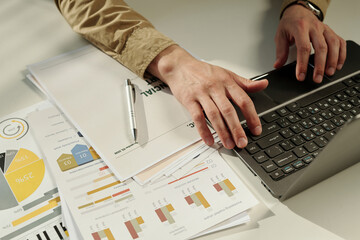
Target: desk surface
235	34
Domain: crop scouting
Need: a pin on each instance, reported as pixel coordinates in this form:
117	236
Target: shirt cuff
321	4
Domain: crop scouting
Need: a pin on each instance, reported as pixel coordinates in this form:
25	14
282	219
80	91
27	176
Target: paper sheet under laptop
88	86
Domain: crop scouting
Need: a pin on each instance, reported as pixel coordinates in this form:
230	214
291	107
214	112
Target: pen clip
134	92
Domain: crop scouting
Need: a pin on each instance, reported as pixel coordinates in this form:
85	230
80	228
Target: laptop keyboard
294	135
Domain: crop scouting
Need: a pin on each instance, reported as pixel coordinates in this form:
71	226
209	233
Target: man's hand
300	26
202	87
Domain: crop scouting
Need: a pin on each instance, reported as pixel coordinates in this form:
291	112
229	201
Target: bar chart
164	214
198	199
134	226
225	186
103	234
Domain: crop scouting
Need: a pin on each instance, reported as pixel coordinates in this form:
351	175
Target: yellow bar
170	208
229	184
103	187
35	213
66	232
86	205
104	177
109	234
140	220
57	199
202	199
103	199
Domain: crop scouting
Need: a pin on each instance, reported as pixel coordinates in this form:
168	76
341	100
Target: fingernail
318	78
257	130
301	76
242	142
331	70
229	143
339	66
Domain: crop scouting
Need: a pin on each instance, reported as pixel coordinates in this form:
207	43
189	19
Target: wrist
166	62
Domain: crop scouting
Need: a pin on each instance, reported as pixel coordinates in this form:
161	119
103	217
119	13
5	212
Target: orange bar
109	234
170	207
140	220
119	193
103	187
103	199
202	199
229	184
103	168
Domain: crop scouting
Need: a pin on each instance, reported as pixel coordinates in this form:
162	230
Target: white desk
232	33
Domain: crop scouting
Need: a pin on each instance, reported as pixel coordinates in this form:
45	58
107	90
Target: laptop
310	131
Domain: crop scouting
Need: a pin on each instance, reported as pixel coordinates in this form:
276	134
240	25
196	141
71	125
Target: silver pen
130	91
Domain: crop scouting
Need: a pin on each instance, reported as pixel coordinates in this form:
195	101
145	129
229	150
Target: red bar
96	236
217	187
119	193
103	168
189	200
160	215
131	229
188	175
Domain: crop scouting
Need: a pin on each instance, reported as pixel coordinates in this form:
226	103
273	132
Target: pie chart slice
23	176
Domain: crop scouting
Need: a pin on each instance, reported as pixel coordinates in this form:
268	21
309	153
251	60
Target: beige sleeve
321	4
116	29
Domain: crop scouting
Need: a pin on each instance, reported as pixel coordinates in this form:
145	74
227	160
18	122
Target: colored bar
136	225
96	236
226	189
103	168
189	200
170	207
124	198
140	220
131	230
104	177
108	234
103	199
188	175
168	215
52	204
160	215
217	187
56	212
103	187
48	195
202	199
102	234
119	193
229	184
196	200
85	205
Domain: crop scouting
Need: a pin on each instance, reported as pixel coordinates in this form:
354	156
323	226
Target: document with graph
104	207
29	198
88	86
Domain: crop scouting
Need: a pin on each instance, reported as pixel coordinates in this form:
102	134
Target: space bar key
284	159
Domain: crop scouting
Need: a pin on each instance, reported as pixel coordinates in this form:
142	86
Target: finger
247	109
282	49
321	50
198	117
214	116
342	54
303	50
248	85
231	118
333	43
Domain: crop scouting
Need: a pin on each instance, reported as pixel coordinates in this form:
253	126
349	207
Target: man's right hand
202	87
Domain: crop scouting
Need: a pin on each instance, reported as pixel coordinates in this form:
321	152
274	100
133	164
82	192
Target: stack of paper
113	188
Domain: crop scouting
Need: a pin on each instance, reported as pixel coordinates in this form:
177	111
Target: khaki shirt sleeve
321	4
116	29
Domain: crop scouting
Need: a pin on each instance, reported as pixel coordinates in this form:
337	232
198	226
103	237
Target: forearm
117	30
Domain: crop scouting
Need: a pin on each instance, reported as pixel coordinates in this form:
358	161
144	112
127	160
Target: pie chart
21	173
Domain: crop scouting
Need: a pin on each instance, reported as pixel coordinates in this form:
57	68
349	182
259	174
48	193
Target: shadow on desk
332	203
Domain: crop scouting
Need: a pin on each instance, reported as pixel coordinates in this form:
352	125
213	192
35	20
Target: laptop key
292	107
269	166
282	111
298	164
311	147
321	141
329	135
276	175
308	159
284	159
267	129
356	78
270	140
273	151
297	140
300	151
288	169
270	117
252	148
287	145
260	157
